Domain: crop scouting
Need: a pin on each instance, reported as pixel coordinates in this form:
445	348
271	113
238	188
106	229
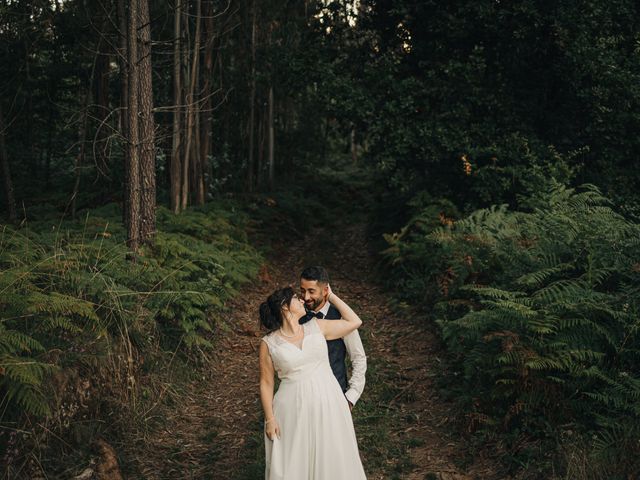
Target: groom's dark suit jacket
337	350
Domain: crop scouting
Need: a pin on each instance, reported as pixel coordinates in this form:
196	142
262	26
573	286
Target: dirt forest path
402	426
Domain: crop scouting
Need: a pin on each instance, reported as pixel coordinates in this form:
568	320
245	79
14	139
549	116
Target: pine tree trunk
196	162
133	182
101	100
50	127
352	145
6	171
82	142
271	140
124	99
252	101
82	132
197	151
261	137
147	127
176	162
33	167
191	108
207	105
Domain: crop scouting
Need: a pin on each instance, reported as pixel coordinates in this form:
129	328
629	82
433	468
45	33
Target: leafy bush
68	290
540	309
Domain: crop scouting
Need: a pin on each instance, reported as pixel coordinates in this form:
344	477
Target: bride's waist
307	372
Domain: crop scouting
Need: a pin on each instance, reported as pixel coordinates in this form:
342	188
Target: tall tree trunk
82	141
133	182
271	140
101	100
196	182
252	100
261	137
33	167
207	104
84	126
10	199
147	127
325	141
197	158
50	127
352	144
124	99
191	107
176	161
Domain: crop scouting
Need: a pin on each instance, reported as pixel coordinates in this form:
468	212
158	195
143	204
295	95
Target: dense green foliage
539	308
69	291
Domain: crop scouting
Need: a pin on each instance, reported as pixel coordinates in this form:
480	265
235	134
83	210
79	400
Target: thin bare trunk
124	98
82	140
325	141
50	126
271	140
33	168
79	160
252	100
197	180
197	157
101	99
352	143
133	182
82	133
147	127
207	89
191	108
176	161
10	199
261	136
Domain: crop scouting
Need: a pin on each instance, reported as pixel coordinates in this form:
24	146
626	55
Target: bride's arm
266	392
333	329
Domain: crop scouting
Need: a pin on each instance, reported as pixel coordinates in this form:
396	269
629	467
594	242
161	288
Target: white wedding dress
317	440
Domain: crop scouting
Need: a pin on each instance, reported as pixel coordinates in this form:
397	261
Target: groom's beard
315	304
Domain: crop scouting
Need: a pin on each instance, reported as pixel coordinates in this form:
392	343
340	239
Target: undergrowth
78	319
539	309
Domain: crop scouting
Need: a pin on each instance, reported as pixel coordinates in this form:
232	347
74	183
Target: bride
309	432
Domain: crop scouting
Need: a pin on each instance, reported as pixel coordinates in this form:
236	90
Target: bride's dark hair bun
271	310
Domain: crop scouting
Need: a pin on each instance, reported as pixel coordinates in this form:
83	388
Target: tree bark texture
176	157
147	128
133	181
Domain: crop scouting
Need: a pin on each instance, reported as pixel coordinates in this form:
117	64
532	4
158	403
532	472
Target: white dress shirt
355	350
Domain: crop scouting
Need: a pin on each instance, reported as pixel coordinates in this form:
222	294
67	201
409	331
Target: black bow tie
309	315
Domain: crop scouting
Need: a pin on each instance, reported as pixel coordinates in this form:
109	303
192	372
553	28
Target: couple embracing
309	432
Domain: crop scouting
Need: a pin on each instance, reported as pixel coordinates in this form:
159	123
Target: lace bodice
291	362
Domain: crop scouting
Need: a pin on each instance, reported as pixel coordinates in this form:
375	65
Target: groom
314	287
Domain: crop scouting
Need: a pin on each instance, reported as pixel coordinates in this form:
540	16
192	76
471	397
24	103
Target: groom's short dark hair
317	273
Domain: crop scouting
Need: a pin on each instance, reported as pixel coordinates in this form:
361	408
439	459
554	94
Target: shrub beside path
403	428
